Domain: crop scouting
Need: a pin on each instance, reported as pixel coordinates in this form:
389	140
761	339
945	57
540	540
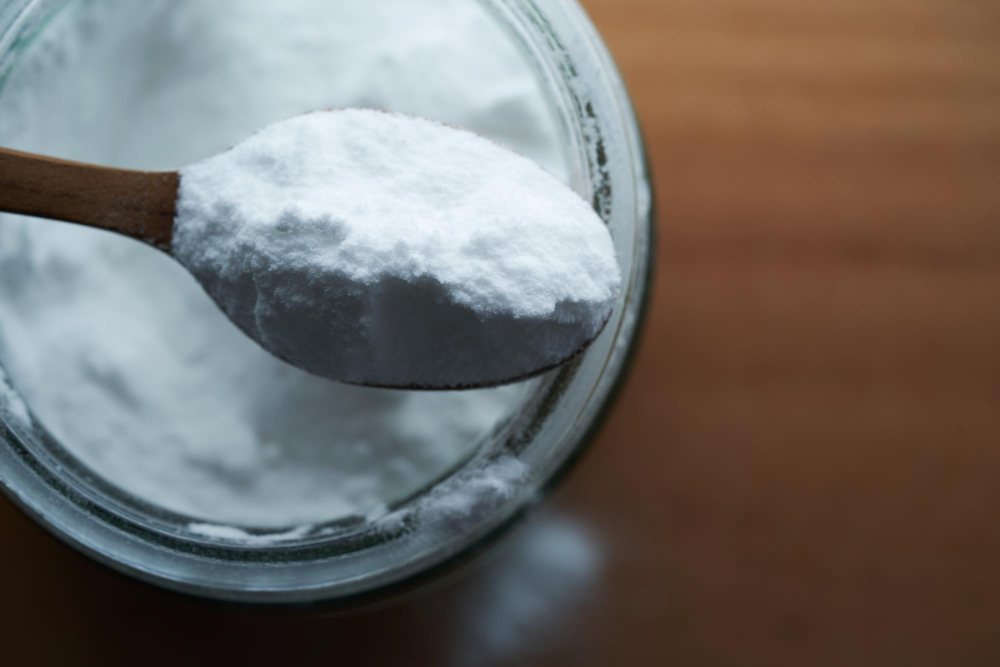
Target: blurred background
804	467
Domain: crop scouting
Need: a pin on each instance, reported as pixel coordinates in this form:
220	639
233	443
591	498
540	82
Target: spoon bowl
365	247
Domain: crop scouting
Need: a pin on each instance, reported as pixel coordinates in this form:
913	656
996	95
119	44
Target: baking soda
118	350
389	250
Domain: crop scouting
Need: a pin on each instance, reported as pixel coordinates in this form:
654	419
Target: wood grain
805	466
812	434
140	204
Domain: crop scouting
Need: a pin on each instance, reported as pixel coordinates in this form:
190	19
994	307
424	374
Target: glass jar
358	557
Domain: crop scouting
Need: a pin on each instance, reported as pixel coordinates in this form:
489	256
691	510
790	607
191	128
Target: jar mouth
356	553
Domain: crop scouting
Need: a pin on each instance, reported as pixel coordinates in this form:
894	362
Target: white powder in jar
117	349
389	250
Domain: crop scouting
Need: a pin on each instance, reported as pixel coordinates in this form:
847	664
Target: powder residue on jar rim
120	354
15	405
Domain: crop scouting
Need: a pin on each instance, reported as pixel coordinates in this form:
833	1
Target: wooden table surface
804	468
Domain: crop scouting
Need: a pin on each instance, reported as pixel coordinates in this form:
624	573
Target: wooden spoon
142	205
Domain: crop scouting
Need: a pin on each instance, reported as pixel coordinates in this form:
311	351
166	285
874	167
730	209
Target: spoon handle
140	204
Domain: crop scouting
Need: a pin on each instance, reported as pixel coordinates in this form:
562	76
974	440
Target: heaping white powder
119	351
389	250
